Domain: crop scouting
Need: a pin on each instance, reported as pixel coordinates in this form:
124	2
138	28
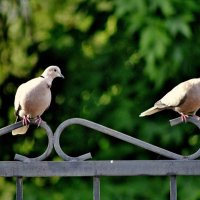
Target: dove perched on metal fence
34	97
184	99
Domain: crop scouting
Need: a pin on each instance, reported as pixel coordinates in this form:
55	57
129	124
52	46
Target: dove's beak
61	76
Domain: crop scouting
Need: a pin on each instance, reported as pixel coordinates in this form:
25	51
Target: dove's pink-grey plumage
34	97
184	99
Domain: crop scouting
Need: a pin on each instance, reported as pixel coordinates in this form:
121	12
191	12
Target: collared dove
34	97
184	99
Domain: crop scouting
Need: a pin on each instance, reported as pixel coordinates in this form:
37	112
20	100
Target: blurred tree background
118	57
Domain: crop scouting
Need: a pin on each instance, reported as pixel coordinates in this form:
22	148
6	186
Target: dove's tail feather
20	131
150	111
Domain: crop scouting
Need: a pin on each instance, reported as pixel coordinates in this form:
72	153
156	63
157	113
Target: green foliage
118	58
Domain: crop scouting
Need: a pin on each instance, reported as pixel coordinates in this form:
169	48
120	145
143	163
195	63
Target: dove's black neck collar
48	84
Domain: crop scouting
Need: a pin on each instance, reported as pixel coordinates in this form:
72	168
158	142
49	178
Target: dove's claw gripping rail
26	120
184	117
38	120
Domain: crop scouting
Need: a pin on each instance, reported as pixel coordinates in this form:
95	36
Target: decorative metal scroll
49	148
54	139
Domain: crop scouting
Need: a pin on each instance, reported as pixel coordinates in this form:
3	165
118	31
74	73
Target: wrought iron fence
79	166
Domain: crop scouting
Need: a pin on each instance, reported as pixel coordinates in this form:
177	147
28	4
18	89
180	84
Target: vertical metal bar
173	188
96	188
19	188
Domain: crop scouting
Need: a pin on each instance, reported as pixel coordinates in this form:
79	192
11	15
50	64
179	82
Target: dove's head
52	72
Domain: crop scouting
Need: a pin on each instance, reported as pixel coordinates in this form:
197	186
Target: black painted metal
96	188
33	167
48	149
173	188
100	168
19	188
107	131
49	133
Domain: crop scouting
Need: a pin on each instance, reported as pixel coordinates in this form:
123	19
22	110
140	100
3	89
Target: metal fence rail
78	166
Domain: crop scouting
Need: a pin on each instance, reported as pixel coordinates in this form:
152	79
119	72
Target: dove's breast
36	99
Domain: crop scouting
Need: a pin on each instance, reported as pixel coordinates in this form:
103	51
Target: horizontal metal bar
100	168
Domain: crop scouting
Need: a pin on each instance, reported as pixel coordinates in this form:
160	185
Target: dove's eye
55	70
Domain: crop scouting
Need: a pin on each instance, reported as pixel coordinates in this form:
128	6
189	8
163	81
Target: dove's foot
38	120
25	120
184	117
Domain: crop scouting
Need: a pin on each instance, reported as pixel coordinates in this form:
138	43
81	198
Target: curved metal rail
110	132
121	136
194	121
49	133
54	140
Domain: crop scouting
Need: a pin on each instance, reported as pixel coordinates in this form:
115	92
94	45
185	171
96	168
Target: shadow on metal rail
54	139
